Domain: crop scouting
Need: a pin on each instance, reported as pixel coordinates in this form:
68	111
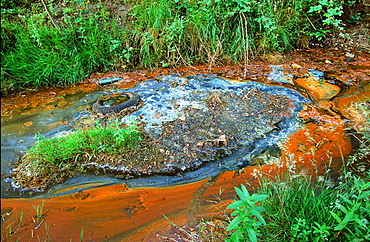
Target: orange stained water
119	213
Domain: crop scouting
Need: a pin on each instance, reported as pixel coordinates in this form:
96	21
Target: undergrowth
299	208
79	37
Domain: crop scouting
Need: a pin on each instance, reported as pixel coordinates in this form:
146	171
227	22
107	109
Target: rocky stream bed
209	130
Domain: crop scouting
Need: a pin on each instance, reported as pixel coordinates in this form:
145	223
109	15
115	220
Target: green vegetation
299	211
35	53
298	208
248	216
54	159
58	151
80	37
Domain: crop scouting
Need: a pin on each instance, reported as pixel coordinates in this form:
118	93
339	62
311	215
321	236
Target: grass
91	37
48	57
54	159
100	139
298	208
110	139
36	54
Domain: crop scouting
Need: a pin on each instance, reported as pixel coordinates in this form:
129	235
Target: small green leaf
364	195
365	186
336	217
342	208
345	199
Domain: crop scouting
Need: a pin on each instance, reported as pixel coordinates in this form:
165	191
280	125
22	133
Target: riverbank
322	143
60	43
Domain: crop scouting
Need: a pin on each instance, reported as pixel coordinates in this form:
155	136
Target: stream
218	128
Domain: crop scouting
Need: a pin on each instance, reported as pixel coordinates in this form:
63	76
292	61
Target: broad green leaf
252	234
245	191
234	223
259	216
348	218
340	226
257	197
345	199
365	186
259	209
240	193
237	204
342	208
359	221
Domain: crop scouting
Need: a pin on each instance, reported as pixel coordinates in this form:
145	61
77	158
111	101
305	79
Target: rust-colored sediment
119	213
36	98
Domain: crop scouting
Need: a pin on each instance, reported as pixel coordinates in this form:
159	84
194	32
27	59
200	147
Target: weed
89	38
9	230
299	209
38	219
248	216
82	234
353	213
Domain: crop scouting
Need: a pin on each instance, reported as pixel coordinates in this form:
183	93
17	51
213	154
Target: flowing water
219	127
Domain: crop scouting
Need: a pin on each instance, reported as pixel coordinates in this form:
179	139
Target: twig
51	17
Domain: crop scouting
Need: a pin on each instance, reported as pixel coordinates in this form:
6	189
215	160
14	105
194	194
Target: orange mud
119	213
297	63
36	98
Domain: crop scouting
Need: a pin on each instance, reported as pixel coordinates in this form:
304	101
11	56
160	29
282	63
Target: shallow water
255	117
109	210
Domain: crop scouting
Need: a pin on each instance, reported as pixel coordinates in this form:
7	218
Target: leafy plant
354	212
326	13
153	34
298	209
248	216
